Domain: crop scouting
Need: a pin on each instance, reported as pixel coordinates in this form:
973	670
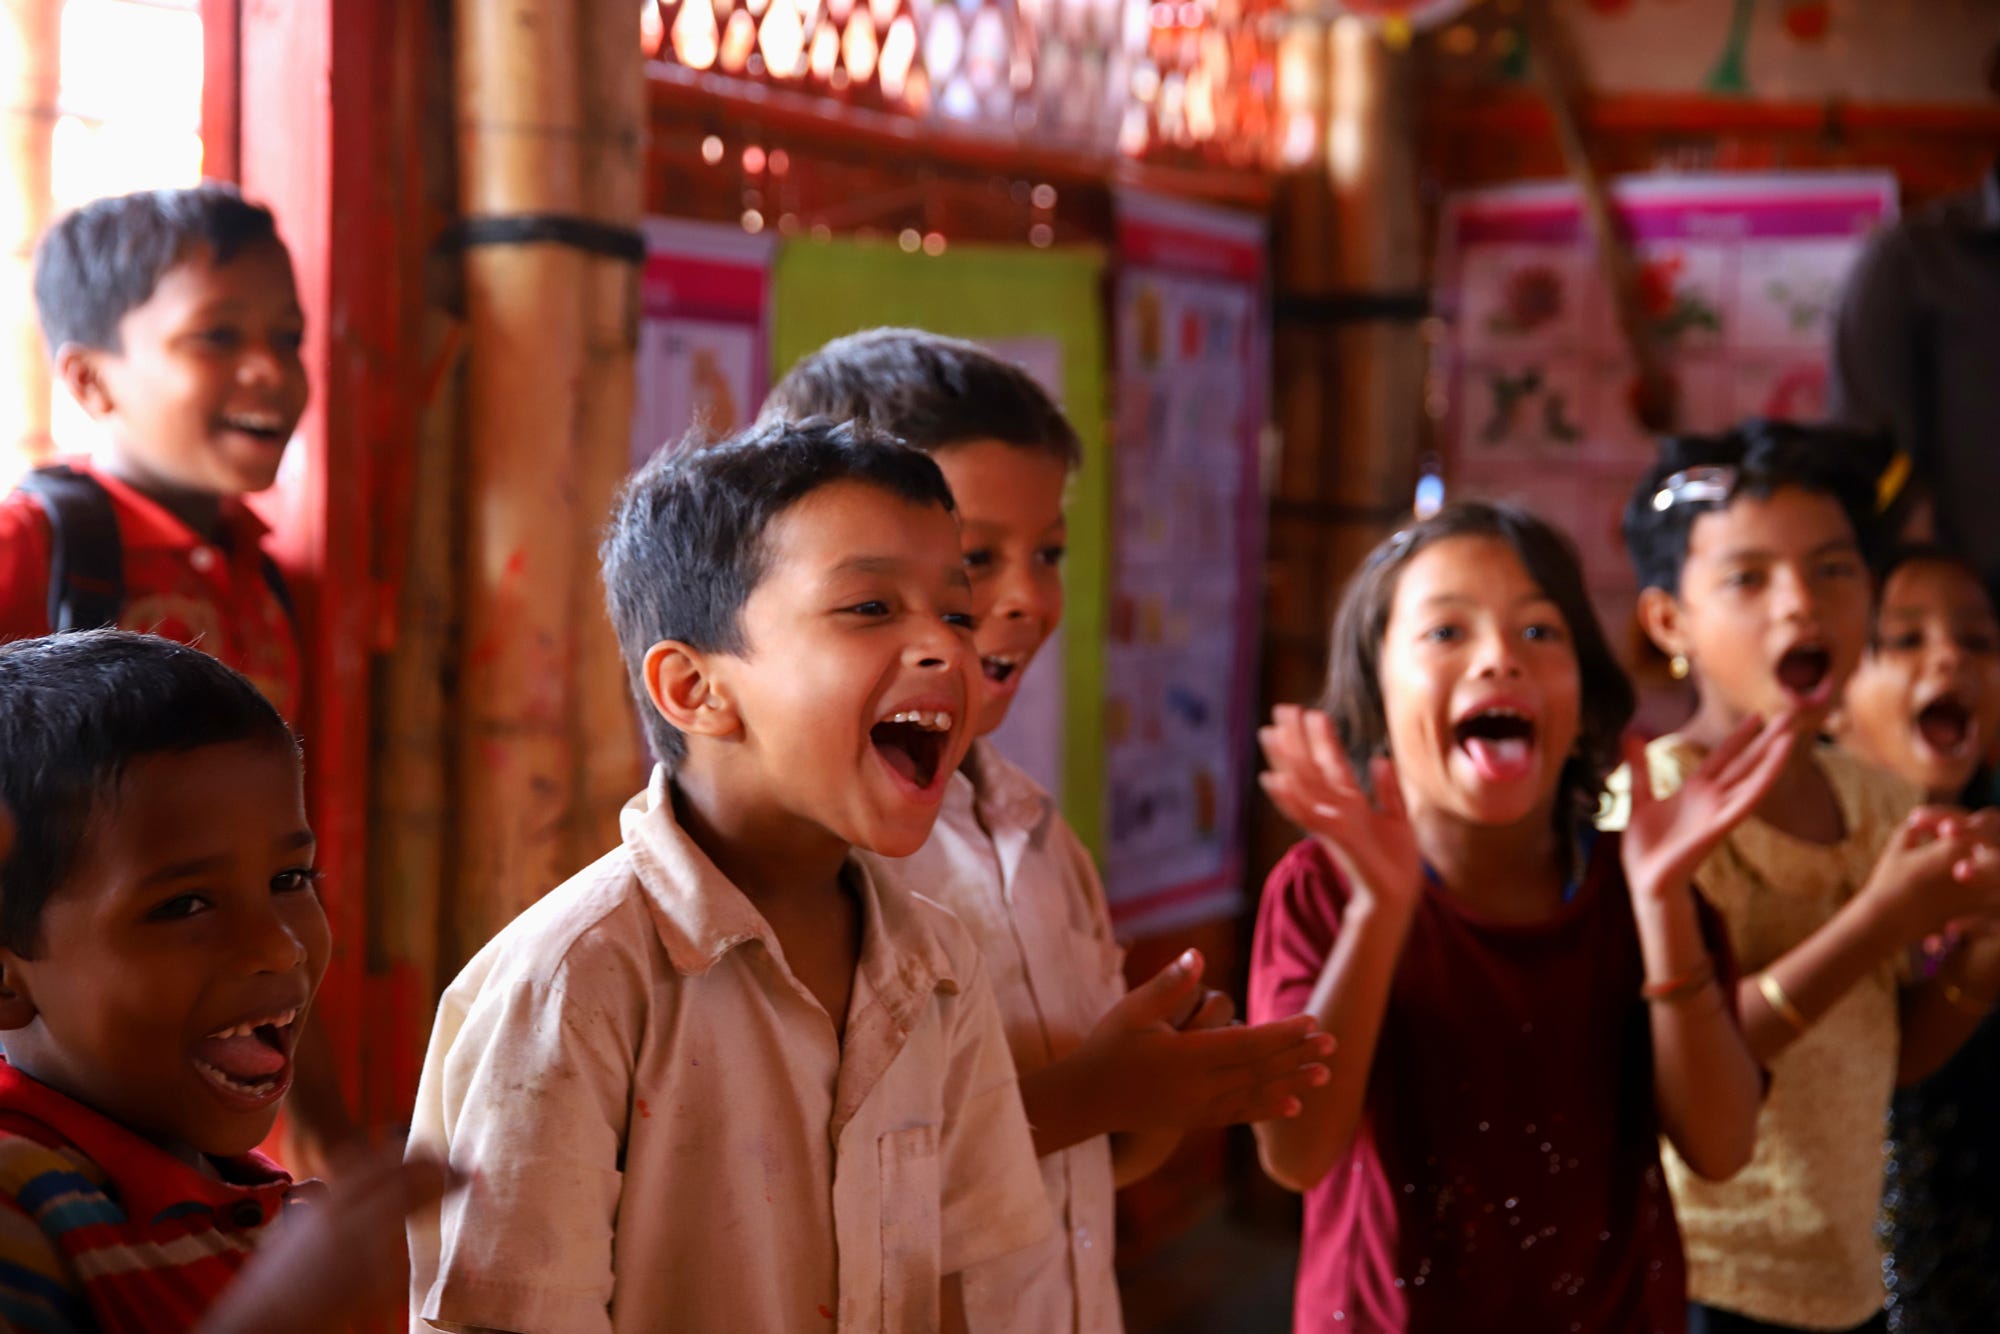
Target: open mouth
1945	724
1803	669
251	1060
912	743
1500	742
267	427
1000	667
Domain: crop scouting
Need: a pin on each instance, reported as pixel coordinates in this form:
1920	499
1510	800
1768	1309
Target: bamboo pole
519	117
30	68
608	763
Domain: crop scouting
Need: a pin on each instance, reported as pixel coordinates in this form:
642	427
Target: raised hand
1667	838
1311	782
1149	1074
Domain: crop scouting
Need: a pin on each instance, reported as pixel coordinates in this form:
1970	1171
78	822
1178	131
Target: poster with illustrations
1740	275
1192	369
704	333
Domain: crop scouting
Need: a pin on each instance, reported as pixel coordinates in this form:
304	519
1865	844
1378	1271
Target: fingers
1162	997
1216	1010
1632	748
1748	779
1388	787
1278	1098
1328	756
1738	741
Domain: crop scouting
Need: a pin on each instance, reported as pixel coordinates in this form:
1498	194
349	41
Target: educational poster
1040	309
1740	274
704	333
1192	374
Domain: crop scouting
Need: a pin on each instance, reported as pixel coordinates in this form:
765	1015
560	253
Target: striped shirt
100	1229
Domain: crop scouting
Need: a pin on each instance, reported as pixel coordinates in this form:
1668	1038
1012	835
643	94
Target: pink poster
704	333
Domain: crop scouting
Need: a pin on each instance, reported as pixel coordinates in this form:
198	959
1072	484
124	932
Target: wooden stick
519	118
29	30
1655	399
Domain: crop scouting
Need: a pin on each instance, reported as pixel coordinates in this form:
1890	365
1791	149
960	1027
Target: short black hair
927	390
1354	699
76	710
100	261
1767	456
686	546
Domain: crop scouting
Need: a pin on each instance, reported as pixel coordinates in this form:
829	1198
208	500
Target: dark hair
1353	697
100	261
1767	456
926	390
1922	553
686	545
76	710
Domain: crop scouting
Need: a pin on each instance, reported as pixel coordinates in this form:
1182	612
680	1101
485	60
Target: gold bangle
1775	997
1970	1004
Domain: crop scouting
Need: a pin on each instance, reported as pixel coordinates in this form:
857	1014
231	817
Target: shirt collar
701	915
1006	797
144	523
150	1182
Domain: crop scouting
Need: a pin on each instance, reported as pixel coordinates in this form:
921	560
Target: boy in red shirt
161	940
173	319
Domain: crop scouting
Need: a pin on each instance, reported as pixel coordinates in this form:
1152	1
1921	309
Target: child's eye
1974	642
1052	556
176	908
1444	634
1907	642
873	607
979	558
1838	569
288	342
960	620
1543	634
298	880
1743	579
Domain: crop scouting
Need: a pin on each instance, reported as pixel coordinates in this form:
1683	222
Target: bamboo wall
30	66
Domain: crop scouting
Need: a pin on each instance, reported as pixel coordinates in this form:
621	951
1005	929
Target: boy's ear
682	684
1660	618
17	1008
81	371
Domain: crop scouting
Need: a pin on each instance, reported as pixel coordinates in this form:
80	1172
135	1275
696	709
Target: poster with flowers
1739	277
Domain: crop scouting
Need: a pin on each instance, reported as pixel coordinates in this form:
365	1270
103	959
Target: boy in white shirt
717	1080
1110	1080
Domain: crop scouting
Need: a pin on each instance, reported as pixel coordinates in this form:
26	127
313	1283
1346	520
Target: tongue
1501	759
1942	732
245	1058
899	759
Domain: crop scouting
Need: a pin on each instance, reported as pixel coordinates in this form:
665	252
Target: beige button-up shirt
1008	866
661	1131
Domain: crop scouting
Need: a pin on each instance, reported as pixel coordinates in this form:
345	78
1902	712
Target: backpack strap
86	558
281	590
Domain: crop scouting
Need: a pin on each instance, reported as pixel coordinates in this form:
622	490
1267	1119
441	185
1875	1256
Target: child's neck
768	855
1801	802
1506	872
201	511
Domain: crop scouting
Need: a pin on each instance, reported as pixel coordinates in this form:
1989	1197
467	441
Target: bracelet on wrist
1669	990
1774	996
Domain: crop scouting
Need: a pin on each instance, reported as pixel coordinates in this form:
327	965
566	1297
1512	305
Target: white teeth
252	422
229	1081
280	1020
930	722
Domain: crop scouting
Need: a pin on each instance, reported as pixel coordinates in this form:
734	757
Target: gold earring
1677	667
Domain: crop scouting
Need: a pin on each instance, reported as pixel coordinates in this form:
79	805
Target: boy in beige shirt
1110	1081
719	1081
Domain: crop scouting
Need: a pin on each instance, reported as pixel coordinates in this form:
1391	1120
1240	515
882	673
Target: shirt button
203	559
1083	1237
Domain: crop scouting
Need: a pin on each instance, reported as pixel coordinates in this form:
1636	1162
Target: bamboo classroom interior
470	720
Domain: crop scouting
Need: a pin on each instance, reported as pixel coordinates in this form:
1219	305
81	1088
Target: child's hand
1941	867
337	1259
1667	838
1147	1074
1311	782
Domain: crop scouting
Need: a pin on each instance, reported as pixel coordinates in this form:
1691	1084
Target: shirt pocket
910	1230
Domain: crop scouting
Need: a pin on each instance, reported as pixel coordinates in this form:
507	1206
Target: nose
269	942
1024	594
935	646
262	362
1494	655
1792	593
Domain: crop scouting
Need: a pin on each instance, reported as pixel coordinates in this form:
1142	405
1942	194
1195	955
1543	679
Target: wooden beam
29	33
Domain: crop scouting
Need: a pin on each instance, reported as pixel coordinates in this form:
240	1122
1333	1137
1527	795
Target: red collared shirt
213	595
100	1229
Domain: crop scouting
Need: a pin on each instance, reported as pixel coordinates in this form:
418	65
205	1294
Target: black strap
86	556
86	559
586	234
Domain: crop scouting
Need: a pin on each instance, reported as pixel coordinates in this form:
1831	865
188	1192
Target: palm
1667	838
1311	781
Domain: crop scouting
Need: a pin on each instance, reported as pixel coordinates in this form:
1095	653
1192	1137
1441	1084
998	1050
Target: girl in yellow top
1749	549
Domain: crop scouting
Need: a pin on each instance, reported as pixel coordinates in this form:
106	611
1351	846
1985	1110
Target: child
161	939
1925	705
1522	1008
173	321
1107	1081
720	1079
1750	551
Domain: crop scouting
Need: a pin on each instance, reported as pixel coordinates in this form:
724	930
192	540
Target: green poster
1044	309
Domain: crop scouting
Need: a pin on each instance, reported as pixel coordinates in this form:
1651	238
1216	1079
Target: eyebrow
1765	553
297	841
1465	600
892	565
